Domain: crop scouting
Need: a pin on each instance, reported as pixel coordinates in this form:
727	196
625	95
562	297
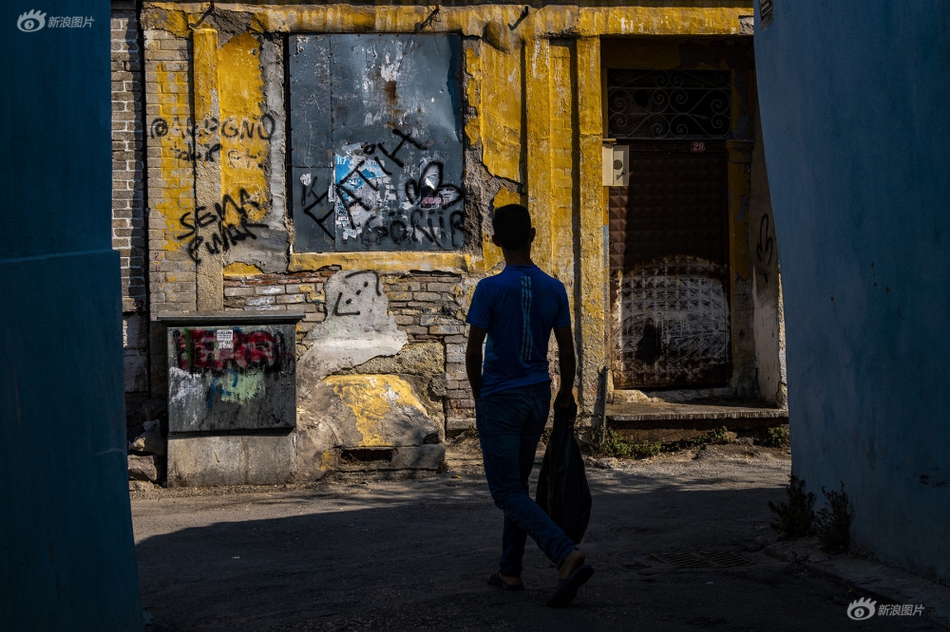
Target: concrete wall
768	322
854	104
66	551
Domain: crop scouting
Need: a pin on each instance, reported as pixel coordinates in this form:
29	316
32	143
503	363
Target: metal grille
720	559
668	105
668	259
673	317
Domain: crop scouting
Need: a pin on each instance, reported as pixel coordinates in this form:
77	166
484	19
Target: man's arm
473	359
567	364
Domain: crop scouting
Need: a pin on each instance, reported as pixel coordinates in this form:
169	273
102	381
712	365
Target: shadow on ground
414	554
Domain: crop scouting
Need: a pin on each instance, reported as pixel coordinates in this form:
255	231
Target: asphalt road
415	554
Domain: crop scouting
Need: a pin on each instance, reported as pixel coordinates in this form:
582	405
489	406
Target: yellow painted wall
532	84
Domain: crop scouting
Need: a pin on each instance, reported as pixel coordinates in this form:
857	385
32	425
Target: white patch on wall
357	328
187	392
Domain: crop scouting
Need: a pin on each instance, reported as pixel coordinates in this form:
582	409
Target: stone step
654	418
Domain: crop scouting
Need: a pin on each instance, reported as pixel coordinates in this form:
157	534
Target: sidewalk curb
884	583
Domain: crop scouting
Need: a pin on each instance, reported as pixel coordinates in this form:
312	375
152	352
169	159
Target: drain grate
716	559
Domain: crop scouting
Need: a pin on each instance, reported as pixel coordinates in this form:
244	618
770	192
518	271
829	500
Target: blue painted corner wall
854	101
67	557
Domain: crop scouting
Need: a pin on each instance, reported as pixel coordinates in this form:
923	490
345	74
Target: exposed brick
239	291
259	301
446	329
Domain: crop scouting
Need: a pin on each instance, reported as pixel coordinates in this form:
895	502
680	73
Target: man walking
516	311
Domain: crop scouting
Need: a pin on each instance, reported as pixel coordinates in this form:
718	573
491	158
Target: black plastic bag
562	484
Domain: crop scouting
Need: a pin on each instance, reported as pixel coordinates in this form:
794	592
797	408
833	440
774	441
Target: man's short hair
512	226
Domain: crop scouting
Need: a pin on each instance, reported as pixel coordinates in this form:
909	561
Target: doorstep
676	416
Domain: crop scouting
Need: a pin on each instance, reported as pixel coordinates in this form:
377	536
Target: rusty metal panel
668	260
376	142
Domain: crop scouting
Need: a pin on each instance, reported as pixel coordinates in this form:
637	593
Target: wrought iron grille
668	105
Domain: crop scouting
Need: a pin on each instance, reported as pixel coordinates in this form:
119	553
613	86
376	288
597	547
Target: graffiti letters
207	351
199	141
229	223
379	197
354	284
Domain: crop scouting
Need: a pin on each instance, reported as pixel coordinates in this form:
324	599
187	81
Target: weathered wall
855	127
768	328
128	203
235	193
67	559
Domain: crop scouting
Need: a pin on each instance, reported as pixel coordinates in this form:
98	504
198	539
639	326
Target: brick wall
427	306
128	202
171	271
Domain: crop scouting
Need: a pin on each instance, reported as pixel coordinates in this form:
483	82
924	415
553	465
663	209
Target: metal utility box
231	372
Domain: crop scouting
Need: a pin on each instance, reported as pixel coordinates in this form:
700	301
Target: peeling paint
373	398
238	269
241	388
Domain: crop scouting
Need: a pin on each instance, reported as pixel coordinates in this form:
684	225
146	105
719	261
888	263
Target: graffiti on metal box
218	351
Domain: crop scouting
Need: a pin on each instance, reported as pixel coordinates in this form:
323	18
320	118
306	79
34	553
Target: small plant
796	517
834	522
777	437
646	449
608	442
719	436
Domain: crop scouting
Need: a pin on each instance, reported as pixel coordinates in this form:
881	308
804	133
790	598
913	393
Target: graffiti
358	326
764	250
362	205
218	351
223	233
353	291
199	139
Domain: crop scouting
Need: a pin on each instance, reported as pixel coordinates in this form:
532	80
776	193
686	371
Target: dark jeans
509	426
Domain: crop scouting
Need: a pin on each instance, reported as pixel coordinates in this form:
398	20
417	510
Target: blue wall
854	102
67	560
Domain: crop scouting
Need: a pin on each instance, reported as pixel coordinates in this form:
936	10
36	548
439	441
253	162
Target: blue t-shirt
518	308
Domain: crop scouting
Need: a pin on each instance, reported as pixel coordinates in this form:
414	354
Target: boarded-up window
376	142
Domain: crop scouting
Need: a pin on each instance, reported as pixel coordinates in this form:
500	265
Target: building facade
341	163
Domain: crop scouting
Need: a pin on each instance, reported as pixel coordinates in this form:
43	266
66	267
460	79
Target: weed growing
777	437
834	522
719	436
607	442
646	449
796	516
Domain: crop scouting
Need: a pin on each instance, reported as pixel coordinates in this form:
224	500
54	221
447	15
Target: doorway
668	229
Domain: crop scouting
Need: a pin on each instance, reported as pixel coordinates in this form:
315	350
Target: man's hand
564	400
567	365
